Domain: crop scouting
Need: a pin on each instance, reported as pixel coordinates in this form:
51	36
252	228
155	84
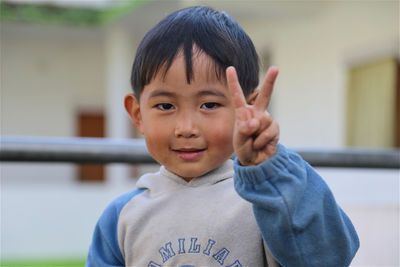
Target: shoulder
104	250
112	211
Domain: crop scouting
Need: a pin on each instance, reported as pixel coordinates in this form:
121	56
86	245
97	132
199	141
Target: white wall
370	197
52	219
48	75
313	54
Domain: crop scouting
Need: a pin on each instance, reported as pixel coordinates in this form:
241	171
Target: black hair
211	31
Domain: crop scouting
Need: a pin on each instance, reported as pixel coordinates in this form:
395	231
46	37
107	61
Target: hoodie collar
165	180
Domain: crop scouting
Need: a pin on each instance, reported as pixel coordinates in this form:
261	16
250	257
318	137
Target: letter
153	264
181	246
209	246
235	264
193	247
166	252
221	255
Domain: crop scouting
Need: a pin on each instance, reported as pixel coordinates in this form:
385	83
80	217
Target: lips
189	154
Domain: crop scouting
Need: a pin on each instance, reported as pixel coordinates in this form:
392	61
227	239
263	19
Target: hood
164	180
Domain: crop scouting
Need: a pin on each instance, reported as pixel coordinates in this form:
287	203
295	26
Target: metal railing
134	151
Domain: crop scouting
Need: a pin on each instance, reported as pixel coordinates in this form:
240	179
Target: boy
194	79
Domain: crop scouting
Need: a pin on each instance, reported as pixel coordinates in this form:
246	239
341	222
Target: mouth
189	154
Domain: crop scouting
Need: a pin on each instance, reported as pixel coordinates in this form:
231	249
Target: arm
104	250
296	212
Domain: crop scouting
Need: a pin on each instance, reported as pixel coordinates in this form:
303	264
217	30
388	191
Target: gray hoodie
281	213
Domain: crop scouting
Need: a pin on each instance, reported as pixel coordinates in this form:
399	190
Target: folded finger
266	136
265	121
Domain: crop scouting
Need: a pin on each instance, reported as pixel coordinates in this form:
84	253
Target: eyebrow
161	93
213	92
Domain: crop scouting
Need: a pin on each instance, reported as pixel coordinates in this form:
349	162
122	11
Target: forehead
203	66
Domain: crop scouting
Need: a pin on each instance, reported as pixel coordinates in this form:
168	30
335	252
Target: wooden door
91	125
373	105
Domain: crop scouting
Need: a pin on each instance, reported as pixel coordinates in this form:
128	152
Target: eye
164	106
210	105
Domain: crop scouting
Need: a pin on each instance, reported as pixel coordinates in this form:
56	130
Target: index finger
235	90
263	99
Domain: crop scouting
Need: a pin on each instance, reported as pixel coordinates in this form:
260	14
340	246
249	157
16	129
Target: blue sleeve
104	250
297	214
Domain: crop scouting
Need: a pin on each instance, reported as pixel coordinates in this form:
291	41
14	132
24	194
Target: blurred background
65	67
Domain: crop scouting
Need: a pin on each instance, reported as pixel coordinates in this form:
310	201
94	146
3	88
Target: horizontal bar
74	150
134	151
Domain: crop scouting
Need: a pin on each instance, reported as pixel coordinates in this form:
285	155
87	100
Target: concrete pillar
119	53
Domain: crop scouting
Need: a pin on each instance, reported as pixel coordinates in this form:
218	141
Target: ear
132	106
251	98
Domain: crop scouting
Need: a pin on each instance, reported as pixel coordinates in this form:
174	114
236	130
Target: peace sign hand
256	134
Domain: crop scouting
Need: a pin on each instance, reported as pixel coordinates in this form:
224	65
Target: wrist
258	157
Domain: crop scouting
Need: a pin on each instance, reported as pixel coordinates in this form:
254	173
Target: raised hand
256	134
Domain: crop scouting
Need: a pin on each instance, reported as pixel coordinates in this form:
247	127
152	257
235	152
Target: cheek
153	126
222	134
156	136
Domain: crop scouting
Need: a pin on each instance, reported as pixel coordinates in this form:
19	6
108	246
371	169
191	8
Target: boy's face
188	127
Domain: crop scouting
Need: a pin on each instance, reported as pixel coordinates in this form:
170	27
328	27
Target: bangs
214	70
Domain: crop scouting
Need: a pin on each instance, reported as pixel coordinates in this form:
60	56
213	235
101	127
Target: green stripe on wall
55	15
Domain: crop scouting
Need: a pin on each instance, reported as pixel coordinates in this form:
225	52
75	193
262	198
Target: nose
186	126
